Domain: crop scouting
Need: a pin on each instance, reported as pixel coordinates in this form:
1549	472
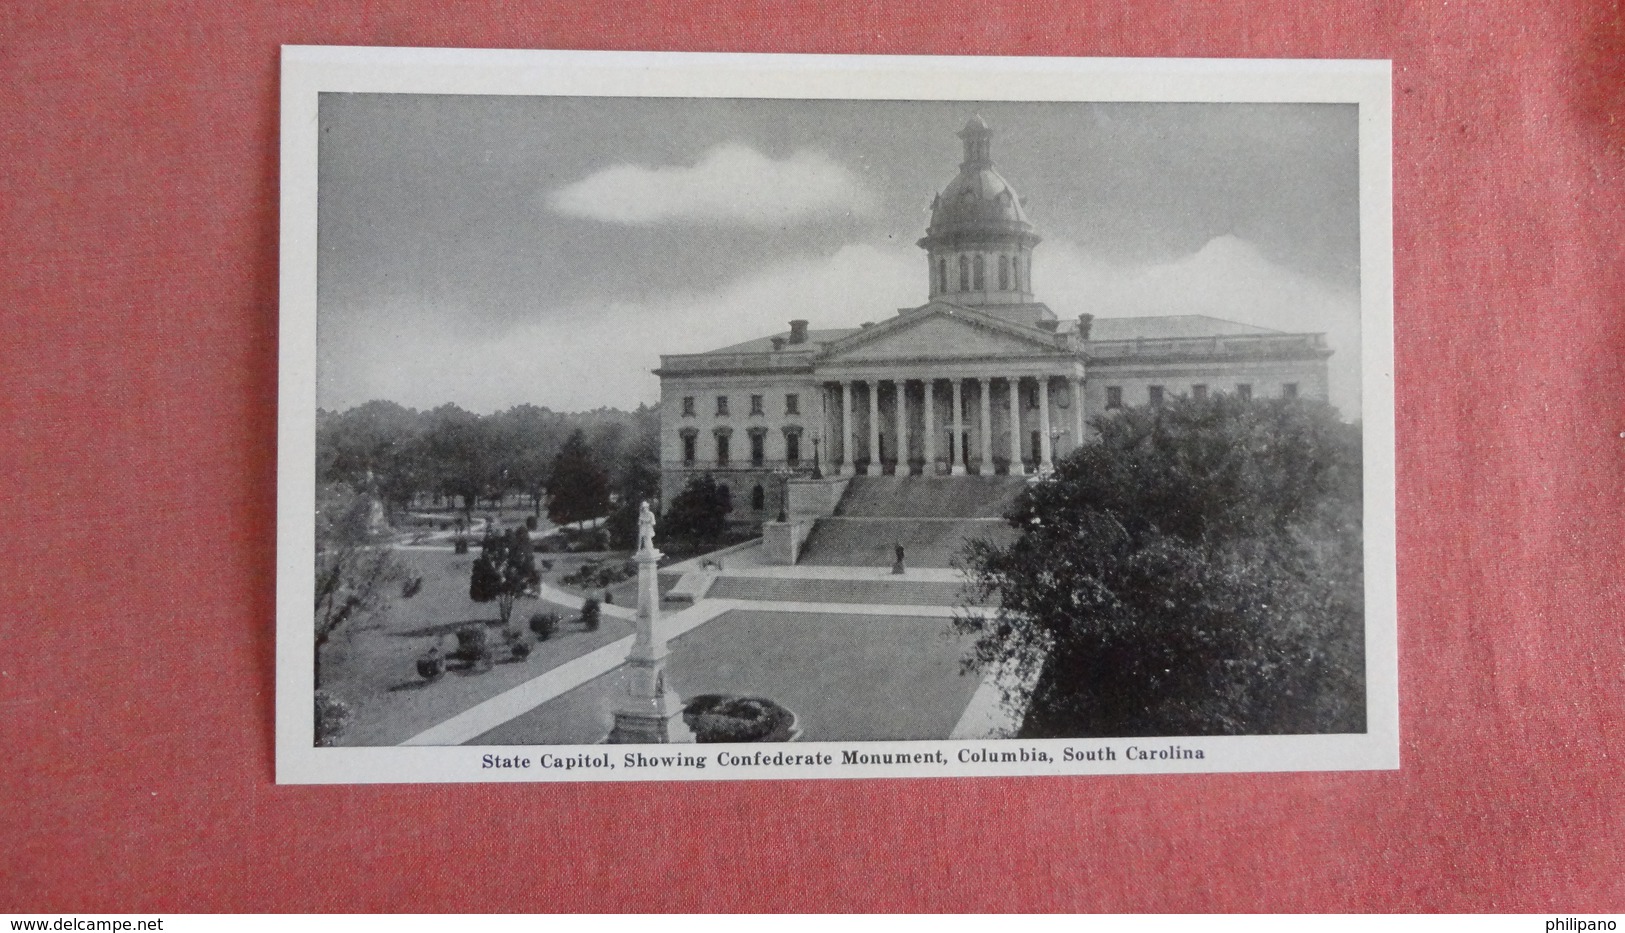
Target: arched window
1015	272
981	273
942	275
1004	273
964	273
758	498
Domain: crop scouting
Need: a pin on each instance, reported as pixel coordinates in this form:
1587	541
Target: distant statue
646	527
897	567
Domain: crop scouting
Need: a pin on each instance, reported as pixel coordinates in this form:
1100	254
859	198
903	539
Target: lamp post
784	474
818	470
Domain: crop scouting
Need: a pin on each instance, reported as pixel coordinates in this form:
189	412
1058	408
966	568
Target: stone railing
671	365
1244	345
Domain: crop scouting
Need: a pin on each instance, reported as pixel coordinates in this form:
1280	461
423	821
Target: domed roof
978	198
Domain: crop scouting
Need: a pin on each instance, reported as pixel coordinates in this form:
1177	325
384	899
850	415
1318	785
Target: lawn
374	667
848	678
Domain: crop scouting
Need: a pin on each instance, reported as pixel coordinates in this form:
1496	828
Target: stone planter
721	718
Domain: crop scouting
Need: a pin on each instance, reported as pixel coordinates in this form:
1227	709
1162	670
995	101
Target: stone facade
981	379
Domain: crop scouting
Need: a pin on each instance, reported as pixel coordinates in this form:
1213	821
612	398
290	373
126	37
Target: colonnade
1041	422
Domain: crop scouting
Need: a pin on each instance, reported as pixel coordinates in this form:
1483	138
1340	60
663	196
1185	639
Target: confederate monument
649	712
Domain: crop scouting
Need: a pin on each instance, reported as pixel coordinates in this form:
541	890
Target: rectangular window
792	446
1114	396
688	406
756	404
792	404
722	450
1156	395
1198	391
758	449
688	449
722	405
1244	391
1289	390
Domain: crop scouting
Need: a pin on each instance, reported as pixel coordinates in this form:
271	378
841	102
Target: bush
411	587
473	645
590	614
530	523
333	717
518	648
431	666
459	545
724	718
544	624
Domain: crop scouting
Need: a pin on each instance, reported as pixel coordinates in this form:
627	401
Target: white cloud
1227	278
731	183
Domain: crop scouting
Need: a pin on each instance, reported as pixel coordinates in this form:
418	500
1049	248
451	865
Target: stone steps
930	497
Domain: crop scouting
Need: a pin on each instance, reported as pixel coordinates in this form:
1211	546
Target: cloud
731	183
602	354
1227	278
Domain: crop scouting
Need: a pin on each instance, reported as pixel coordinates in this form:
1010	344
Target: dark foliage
579	489
590	614
504	571
1198	571
699	513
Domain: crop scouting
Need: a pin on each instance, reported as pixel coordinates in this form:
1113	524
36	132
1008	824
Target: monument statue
648	711
646	527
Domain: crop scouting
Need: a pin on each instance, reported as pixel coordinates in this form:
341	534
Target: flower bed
719	717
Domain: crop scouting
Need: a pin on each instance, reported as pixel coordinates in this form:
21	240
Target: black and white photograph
662	416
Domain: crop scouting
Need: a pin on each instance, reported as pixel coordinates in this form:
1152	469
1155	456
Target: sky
494	251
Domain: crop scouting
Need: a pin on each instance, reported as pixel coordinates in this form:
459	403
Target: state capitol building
981	379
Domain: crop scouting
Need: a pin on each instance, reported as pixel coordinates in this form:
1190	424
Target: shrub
333	717
544	624
530	523
724	718
473	645
459	545
411	587
518	648
590	614
431	665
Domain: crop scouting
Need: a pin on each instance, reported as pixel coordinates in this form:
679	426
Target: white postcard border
308	71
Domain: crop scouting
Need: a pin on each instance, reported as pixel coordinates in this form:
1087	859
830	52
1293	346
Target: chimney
798	331
1085	321
778	343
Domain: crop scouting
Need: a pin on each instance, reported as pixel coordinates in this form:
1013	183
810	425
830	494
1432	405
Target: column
929	441
1016	466
1045	462
901	404
648	712
874	427
849	435
956	459
1077	406
986	387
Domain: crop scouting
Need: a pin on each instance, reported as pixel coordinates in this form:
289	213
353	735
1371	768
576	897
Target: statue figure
646	527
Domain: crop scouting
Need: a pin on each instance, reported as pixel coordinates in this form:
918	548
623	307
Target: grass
373	668
848	678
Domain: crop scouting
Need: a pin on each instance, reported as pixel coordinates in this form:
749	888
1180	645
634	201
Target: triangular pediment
940	331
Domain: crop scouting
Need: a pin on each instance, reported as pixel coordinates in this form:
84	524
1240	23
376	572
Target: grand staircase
900	592
931	517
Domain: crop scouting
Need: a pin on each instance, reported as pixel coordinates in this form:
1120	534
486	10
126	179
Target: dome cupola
980	242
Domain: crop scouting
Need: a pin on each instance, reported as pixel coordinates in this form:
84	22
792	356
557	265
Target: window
688	406
758	498
792	404
1114	396
964	274
1004	273
1289	390
722	450
688	449
1244	391
758	449
942	275
722	405
792	448
1156	395
756	404
1199	391
1015	272
980	269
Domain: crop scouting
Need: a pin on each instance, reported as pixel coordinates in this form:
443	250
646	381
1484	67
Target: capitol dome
980	240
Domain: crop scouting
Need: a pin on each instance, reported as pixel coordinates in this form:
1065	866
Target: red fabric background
138	374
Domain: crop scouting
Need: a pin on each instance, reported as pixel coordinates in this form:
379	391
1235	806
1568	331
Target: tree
579	488
504	571
637	480
355	568
459	453
700	512
1197	571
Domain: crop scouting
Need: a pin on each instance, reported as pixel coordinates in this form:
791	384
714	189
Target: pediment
939	331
